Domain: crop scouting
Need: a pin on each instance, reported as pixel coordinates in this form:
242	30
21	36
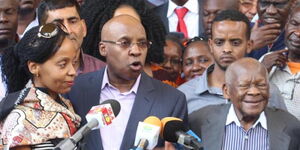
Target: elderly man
285	68
249	124
230	41
124	45
8	30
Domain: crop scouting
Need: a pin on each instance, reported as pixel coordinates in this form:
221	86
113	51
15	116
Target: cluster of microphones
170	129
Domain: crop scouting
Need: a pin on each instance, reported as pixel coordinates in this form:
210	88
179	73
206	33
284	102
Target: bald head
121	22
244	66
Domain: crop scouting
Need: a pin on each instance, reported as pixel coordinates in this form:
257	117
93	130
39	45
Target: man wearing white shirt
192	18
247	123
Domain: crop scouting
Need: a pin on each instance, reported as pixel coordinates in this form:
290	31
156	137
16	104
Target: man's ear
225	90
33	67
249	46
84	30
102	49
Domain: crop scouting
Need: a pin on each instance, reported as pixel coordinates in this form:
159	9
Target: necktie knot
180	12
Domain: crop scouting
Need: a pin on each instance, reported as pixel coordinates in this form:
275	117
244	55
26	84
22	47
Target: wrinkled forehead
248	73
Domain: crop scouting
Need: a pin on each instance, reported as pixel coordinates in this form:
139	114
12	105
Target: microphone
175	131
104	113
99	116
147	133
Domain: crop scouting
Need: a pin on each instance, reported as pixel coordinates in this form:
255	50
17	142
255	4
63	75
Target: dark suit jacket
153	98
209	123
162	11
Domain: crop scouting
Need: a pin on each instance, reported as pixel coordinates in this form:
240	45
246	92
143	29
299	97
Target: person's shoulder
205	111
191	84
208	112
160	86
161	8
283	116
88	77
93	59
8	103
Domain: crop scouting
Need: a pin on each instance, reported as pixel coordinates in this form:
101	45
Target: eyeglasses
127	44
196	38
48	30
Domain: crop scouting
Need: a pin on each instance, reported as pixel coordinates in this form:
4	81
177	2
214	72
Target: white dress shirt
112	135
191	18
237	138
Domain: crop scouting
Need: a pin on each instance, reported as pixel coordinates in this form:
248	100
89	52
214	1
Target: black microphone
99	116
175	131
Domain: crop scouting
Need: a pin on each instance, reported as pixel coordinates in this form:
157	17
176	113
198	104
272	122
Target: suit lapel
279	140
213	130
140	110
164	18
94	94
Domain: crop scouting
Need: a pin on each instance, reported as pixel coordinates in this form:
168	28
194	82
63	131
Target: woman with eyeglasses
38	70
196	58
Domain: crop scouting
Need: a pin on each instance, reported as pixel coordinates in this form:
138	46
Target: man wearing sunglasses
124	44
67	12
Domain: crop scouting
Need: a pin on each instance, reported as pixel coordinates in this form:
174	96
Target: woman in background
196	58
37	70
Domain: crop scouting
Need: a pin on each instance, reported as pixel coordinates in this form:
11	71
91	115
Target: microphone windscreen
115	105
153	120
164	121
170	129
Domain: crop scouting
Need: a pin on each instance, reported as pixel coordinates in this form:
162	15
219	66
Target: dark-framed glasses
127	44
48	30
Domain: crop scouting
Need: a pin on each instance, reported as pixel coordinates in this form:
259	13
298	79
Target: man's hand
264	35
277	58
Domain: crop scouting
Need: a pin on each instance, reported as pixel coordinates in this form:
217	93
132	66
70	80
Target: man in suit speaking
124	44
248	123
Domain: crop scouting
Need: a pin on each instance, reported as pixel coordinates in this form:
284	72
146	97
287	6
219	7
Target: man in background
67	12
8	32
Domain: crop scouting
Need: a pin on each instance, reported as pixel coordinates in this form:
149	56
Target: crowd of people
229	69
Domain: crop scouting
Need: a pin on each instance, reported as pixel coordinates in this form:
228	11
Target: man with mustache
124	44
247	123
268	32
8	29
230	41
285	68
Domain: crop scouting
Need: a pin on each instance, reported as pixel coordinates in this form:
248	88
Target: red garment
181	27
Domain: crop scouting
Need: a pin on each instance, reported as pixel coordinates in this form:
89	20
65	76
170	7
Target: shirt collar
231	117
105	82
191	5
204	80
